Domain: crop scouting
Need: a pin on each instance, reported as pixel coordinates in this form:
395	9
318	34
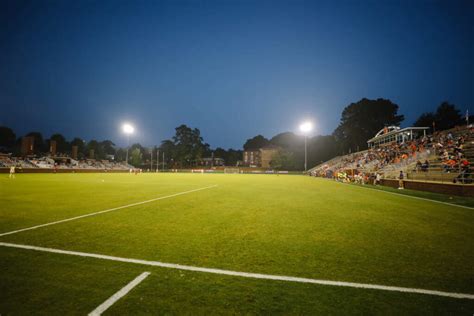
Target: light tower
305	128
128	129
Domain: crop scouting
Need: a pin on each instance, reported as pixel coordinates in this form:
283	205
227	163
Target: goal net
231	170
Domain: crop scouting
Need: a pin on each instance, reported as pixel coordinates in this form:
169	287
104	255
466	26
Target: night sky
233	69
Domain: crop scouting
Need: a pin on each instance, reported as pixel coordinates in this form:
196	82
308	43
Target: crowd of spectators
60	162
451	152
446	147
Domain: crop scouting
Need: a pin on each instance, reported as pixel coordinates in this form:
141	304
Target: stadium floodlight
128	129
305	128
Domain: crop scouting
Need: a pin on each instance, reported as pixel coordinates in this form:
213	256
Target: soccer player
12	172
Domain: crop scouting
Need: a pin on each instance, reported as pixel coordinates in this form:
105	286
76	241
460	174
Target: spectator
400	181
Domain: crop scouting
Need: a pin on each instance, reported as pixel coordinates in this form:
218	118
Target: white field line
408	196
244	274
114	298
105	211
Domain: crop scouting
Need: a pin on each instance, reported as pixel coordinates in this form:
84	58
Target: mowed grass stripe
246	274
105	211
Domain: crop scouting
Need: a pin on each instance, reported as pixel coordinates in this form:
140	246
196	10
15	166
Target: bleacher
447	153
46	162
438	170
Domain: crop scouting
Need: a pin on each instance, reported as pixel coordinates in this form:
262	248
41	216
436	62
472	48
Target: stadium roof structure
396	134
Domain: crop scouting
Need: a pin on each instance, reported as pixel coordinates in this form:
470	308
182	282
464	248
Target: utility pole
163	162
151	159
158	160
305	153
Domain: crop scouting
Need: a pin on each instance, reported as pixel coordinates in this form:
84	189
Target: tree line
359	122
186	148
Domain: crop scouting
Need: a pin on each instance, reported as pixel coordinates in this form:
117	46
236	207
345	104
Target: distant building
252	157
394	134
211	162
260	157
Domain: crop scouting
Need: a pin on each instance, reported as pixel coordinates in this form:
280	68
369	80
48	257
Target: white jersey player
12	172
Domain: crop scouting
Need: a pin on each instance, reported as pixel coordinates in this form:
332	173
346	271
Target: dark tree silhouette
447	116
425	120
362	120
256	142
108	147
81	145
185	148
39	143
62	145
283	160
321	148
7	137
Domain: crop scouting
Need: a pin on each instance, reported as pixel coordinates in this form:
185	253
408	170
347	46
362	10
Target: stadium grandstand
444	156
63	163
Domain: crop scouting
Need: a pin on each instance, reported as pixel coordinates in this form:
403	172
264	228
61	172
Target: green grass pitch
279	225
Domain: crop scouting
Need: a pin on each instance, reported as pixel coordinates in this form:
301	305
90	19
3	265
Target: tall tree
283	160
425	120
168	149
447	116
7	137
93	145
120	154
256	142
136	157
62	145
39	143
321	148
108	147
188	146
81	145
291	143
233	157
221	153
360	121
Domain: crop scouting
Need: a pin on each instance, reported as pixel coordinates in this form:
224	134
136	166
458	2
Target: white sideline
245	274
406	195
105	211
114	298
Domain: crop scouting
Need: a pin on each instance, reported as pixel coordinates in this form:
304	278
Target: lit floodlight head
306	127
128	129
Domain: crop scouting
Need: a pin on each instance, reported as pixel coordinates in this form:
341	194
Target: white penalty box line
106	211
245	274
114	298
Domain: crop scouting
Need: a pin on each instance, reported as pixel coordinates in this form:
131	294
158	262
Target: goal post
231	170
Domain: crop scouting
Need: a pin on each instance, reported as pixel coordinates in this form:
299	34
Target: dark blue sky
234	69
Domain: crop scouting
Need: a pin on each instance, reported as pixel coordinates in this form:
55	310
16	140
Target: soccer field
228	244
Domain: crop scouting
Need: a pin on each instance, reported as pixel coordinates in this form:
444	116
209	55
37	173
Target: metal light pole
305	153
128	145
158	160
127	129
305	128
151	159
